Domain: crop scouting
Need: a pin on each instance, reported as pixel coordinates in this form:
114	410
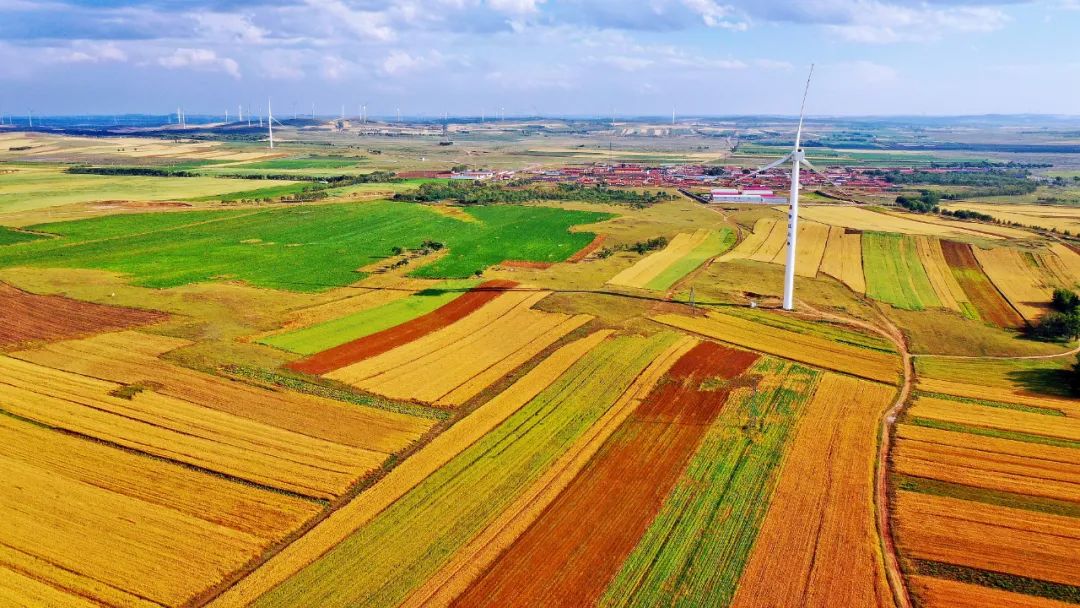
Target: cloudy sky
581	57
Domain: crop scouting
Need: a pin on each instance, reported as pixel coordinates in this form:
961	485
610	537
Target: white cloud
200	59
87	52
400	62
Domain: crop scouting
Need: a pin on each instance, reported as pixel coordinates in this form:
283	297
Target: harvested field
996	419
818	545
388	339
895	273
409	474
948	291
408	542
842	259
617	495
944	593
861	218
768	243
1070	260
1017	275
696	548
988	462
989	303
987	537
132	358
452	365
1057	217
32	318
178	431
651	266
812	350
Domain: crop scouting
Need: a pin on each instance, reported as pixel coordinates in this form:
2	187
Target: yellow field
996	418
649	267
377	290
452	365
472	560
985	536
1004	393
812	350
768	243
45	145
131	357
860	218
180	431
988	462
824	499
401	479
842	258
1060	218
1016	274
1070	261
943	593
948	291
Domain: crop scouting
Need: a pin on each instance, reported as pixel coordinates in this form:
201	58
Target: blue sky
582	57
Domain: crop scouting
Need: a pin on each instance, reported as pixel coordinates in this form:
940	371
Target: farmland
208	399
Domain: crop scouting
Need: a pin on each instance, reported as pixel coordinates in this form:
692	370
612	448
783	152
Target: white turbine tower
270	122
798	160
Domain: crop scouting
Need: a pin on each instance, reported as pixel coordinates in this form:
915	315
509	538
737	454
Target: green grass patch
998	498
319	337
697	547
9	236
894	273
383	561
998	580
991	432
717	243
270	192
304	162
303	248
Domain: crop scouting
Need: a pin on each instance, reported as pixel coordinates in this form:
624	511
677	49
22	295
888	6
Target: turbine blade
802	108
783	159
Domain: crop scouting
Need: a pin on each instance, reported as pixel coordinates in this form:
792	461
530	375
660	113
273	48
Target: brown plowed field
992	306
586	250
388	339
526	264
33	318
616	497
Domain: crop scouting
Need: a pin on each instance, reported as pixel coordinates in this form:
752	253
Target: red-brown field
386	340
616	496
992	306
586	250
34	318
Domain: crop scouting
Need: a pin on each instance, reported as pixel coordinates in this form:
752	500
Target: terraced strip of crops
653	265
617	495
695	549
405	477
179	431
933	592
9	236
310	248
450	366
405	544
948	291
714	244
328	334
824	499
383	341
895	273
30	318
133	359
105	526
842	258
842	351
990	304
768	243
1018	275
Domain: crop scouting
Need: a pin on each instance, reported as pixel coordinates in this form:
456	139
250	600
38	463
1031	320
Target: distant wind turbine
270	122
798	160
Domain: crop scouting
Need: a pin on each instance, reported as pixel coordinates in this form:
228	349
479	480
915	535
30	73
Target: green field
11	237
304	162
405	544
302	248
894	273
696	548
50	187
717	243
319	337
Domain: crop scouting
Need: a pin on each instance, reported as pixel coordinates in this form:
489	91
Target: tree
1075	378
1057	326
1065	300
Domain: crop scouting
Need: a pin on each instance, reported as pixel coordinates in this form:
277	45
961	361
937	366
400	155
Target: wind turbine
270	122
798	160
